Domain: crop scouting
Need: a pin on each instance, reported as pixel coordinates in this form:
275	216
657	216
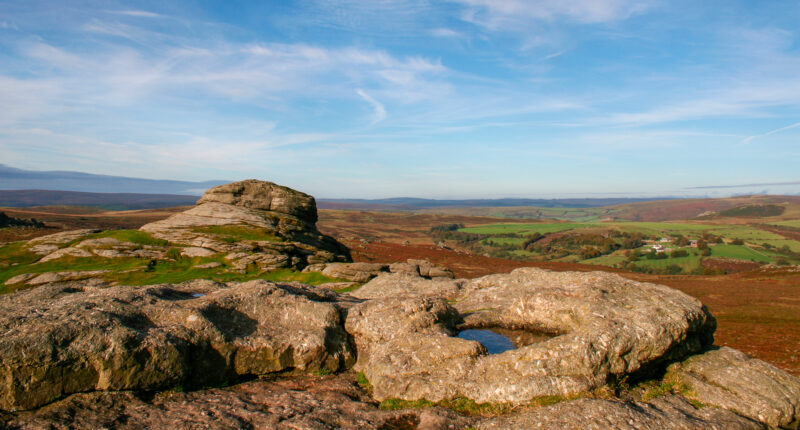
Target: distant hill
110	201
12	178
414	204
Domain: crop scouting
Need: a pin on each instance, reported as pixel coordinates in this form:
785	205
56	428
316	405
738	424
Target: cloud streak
379	111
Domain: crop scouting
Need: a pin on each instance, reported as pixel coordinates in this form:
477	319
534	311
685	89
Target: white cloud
446	32
769	133
507	14
379	111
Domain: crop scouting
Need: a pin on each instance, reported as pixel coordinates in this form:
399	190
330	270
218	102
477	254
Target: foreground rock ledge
70	338
607	327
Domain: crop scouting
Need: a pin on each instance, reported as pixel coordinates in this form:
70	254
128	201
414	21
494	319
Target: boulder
68	338
605	326
409	284
193	251
356	272
64	252
266	196
731	379
429	270
405	268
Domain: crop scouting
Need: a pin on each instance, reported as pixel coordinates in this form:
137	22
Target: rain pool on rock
498	339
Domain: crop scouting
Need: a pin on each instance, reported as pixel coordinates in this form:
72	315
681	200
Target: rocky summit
280	223
393	345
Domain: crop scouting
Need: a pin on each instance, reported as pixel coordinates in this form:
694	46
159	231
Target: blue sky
445	99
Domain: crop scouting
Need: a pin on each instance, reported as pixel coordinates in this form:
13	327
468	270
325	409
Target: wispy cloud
502	14
379	111
138	13
769	133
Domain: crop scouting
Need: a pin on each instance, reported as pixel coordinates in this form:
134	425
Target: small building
693	243
665	240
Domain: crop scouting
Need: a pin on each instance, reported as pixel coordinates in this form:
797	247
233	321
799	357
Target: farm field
604	243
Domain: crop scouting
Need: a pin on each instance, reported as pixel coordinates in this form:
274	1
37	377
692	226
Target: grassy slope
15	260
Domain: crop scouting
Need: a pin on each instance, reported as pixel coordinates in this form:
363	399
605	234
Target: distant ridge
12	178
411	203
110	201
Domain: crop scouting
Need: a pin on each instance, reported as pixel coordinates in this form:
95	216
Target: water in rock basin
497	340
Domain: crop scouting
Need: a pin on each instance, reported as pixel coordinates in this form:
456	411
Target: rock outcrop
69	338
606	327
730	379
363	272
272	220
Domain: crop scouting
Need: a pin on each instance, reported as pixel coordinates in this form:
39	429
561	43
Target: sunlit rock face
603	326
281	221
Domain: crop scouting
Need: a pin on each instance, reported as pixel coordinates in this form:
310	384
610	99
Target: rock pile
285	218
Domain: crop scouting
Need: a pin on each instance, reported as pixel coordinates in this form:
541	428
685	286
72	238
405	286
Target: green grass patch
363	382
235	233
395	404
688	263
349	289
741	252
523	229
792	223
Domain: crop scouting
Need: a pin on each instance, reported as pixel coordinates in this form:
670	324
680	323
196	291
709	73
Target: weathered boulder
304	402
606	326
266	196
667	413
730	379
409	284
356	272
67	338
429	270
260	218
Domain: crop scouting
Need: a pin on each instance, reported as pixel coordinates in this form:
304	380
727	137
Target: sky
435	99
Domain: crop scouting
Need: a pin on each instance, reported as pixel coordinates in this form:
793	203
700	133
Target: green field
514	234
741	252
793	223
523	229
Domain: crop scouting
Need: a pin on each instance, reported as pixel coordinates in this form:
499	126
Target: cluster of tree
446	227
7	221
670	269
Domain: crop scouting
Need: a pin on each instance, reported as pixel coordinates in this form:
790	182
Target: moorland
748	274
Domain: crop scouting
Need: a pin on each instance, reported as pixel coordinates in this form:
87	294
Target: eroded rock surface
303	402
667	413
733	380
68	338
607	325
408	283
284	217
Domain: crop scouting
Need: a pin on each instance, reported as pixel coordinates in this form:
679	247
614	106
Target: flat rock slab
668	413
606	325
67	338
331	402
409	284
733	380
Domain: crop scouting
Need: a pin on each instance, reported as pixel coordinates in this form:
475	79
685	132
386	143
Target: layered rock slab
731	379
607	326
332	402
67	338
668	413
